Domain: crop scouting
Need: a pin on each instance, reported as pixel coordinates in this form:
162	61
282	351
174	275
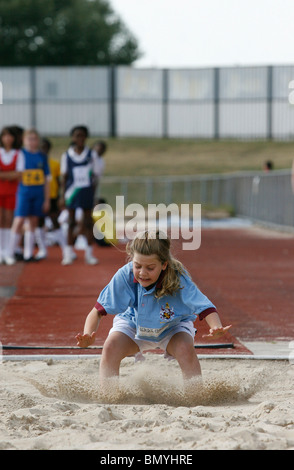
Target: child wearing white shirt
79	170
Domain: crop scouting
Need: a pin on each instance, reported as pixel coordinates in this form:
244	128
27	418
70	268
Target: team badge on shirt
167	313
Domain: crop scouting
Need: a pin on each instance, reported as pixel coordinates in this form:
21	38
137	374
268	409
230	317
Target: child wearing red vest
11	165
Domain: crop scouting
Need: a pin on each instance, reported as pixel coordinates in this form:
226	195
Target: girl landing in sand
159	303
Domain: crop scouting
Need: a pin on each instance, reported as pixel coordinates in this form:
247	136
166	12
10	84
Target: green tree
64	32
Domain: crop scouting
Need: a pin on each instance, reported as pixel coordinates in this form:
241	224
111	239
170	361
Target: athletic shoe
41	255
67	260
18	256
91	260
32	259
9	260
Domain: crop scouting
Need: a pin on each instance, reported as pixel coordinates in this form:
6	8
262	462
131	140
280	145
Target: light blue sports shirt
153	318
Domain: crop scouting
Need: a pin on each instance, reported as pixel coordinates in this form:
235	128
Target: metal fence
229	102
262	197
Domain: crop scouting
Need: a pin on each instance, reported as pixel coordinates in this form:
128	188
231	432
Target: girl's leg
29	237
8	218
88	231
71	227
68	248
181	347
15	237
2	241
57	229
116	347
7	221
40	235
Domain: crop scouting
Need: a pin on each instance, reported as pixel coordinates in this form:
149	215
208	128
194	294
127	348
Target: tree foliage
64	32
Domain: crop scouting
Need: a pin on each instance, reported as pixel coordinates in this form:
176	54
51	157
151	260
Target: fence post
216	102
33	100
269	102
164	103
112	101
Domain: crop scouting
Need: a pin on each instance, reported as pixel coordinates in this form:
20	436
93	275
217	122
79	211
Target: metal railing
263	197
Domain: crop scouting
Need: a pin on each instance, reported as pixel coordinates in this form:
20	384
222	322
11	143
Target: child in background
159	304
32	196
18	131
80	171
53	212
11	165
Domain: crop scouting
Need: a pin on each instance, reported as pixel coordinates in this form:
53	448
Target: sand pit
242	404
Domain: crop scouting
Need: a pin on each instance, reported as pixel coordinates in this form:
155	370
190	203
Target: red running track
247	273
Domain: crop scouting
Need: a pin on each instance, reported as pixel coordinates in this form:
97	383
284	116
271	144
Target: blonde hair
31	131
157	243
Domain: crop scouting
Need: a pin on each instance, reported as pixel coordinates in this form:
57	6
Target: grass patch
155	157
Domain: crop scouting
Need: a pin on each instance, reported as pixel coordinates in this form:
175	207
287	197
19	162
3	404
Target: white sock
14	241
29	241
41	239
6	241
89	251
60	238
68	251
1	243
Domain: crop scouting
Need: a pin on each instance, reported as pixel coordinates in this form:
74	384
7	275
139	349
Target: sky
210	33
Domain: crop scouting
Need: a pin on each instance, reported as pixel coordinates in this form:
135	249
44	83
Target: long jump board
196	346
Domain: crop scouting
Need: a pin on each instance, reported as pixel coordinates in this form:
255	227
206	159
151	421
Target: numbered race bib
33	177
81	176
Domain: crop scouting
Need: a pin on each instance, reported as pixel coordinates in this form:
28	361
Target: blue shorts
84	198
27	205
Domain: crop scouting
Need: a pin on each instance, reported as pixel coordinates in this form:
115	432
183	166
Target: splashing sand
239	405
147	386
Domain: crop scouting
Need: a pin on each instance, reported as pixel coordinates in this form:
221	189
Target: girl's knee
112	349
118	346
109	348
181	346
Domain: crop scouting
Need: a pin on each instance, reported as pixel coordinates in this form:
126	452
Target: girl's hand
216	332
85	340
46	206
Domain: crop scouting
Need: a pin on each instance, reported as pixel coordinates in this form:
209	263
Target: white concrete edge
66	357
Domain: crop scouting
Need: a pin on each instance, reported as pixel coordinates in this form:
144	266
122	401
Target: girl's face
7	140
147	268
79	138
31	142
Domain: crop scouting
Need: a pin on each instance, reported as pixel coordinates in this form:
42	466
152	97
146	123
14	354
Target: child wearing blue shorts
155	303
32	199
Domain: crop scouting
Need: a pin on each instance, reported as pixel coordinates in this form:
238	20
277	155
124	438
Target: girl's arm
46	204
91	325
10	175
62	183
215	326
